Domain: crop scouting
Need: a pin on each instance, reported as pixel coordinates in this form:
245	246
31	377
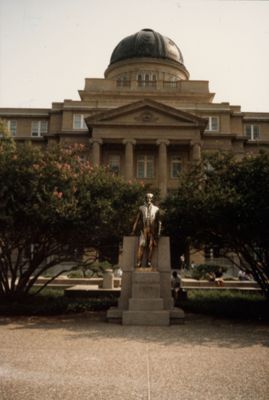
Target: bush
53	302
92	270
227	304
202	271
100	267
75	274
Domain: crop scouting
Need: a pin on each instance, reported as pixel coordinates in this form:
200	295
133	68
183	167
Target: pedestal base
146	293
159	318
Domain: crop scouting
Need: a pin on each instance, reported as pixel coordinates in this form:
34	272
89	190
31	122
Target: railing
170	84
148	84
121	83
151	84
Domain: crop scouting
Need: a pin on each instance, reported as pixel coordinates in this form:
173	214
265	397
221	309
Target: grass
227	304
53	302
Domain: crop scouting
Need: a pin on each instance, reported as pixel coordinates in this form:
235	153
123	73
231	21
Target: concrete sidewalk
84	358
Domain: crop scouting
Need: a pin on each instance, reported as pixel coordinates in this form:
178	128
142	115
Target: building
145	119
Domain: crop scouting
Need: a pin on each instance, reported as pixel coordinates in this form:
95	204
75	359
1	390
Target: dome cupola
147	51
146	43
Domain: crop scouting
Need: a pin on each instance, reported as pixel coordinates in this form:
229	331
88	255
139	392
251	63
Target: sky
48	48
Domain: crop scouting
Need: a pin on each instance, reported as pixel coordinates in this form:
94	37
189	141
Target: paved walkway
84	358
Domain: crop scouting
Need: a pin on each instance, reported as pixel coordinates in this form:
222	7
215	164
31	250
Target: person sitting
243	276
176	286
216	277
219	277
211	276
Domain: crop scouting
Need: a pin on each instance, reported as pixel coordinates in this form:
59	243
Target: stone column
96	151
196	152
129	158
162	166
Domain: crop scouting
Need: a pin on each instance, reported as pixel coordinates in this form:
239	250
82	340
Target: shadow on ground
197	330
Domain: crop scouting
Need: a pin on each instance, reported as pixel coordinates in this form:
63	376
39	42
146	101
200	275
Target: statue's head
148	198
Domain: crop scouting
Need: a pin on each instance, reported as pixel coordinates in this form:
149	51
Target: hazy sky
48	47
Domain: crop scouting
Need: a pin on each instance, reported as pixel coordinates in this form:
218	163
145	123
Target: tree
7	143
225	202
54	205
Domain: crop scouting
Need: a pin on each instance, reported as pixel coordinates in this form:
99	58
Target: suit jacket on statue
148	217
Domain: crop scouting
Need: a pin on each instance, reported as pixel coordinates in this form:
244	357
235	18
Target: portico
146	141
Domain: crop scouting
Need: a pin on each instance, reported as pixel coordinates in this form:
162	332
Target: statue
149	225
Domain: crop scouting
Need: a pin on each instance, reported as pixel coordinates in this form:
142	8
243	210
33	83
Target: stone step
146	290
177	316
146	304
145	318
114	315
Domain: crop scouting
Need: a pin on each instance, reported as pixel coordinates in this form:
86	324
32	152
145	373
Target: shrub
95	269
75	274
54	302
227	304
203	270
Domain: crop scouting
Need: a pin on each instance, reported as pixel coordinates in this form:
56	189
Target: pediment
146	112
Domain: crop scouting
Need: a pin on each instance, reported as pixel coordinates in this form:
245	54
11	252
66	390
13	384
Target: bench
235	285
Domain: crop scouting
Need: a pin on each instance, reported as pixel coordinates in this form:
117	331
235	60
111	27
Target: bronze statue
149	225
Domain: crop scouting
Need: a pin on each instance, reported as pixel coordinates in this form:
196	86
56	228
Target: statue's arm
136	222
159	223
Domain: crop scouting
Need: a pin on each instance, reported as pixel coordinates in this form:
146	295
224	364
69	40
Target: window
12	126
175	166
147	79
213	124
39	128
114	163
252	132
79	122
123	81
145	167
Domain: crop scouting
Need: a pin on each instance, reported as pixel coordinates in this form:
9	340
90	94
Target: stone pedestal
146	294
146	307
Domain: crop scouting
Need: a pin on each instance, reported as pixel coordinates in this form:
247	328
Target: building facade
145	119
